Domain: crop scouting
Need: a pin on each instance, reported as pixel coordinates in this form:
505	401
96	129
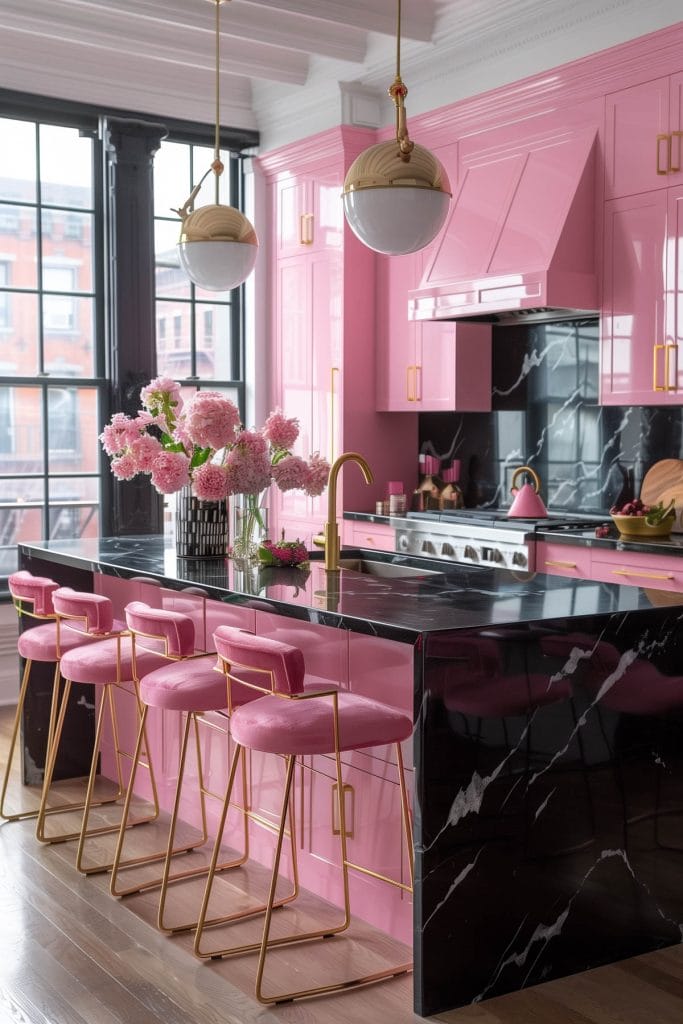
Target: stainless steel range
482	536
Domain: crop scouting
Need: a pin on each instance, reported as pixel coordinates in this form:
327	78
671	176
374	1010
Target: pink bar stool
108	665
32	598
189	684
293	723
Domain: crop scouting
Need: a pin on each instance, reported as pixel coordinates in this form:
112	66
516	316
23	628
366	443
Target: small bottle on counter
397	498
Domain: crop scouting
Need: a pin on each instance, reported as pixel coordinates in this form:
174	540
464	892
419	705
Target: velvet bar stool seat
189	684
32	598
107	664
292	722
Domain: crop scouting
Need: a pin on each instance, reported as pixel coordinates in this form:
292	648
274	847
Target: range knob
519	558
470	552
403	542
428	547
498	555
447	551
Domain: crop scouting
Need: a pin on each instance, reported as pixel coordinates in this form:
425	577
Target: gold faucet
331	529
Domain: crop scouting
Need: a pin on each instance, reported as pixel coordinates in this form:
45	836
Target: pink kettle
527	502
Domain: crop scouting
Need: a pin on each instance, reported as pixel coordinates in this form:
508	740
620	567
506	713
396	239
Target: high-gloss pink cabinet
322	330
643	137
642	280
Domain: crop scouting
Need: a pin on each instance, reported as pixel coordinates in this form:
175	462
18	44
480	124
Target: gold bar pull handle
561	565
418	383
655	385
667	367
667	164
643	575
305	229
349	810
410	383
333	395
675	168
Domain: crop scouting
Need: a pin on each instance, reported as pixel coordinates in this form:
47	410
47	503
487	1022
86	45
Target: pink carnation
291	473
118	434
280	431
210	482
318	473
211	420
162	388
170	472
145	450
248	466
124	467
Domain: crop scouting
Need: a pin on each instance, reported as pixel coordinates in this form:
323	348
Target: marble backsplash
546	415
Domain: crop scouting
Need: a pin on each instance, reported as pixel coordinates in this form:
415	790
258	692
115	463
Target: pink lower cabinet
652	572
376	536
563	560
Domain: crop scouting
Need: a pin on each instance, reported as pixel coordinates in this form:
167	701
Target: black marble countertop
672	545
446	597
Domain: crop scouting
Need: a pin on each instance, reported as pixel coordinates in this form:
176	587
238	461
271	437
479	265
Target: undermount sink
386	570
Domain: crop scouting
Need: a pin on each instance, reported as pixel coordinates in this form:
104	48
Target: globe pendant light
396	194
218	245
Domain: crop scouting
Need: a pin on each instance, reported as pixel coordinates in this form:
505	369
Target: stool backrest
91	613
174	629
282	665
37	591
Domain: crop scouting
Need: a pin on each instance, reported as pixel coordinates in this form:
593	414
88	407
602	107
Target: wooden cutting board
662	482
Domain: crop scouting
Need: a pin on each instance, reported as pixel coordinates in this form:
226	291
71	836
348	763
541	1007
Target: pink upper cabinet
642	286
643	148
309	214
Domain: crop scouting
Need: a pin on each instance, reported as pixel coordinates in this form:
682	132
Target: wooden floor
70	954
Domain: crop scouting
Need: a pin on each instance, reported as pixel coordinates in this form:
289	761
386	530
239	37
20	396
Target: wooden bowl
637	526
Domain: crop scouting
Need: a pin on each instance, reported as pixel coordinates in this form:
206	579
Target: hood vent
519	245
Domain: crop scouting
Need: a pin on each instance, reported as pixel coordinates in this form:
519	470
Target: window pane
68	325
21	518
170	278
67	251
18	334
202	158
17	160
65	167
172	183
21	431
18	244
73	507
72	430
214	342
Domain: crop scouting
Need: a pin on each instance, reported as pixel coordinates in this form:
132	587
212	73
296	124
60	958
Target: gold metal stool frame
346	865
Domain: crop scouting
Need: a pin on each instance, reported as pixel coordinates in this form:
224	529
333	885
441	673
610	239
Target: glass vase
201	527
248	526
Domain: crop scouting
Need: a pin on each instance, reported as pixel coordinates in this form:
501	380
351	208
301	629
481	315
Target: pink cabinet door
370	535
327	362
635	118
654	572
633	340
567	560
293	212
396	334
453	367
674	285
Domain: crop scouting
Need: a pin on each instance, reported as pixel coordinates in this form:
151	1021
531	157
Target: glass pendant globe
396	206
217	247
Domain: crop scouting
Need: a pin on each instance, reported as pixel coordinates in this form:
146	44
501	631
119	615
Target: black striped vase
201	527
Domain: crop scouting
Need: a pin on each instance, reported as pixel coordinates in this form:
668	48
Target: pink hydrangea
118	434
145	450
180	434
247	466
318	473
211	420
210	482
124	467
281	431
291	473
170	472
159	391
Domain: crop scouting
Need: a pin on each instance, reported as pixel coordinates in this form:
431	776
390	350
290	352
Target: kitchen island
548	753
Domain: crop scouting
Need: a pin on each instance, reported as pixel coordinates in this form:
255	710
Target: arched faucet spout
332	544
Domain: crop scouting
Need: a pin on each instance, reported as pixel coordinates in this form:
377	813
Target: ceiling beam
417	16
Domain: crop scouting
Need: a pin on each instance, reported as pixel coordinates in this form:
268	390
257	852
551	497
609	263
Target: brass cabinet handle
410	380
306	229
667	351
561	565
675	168
660	139
418	383
643	575
655	385
348	819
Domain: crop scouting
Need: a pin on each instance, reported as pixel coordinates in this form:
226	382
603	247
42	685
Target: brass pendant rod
398	40
217	140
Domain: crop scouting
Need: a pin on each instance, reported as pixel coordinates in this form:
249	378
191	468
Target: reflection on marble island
548	752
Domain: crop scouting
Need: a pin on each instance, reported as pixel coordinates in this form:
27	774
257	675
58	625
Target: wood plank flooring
70	954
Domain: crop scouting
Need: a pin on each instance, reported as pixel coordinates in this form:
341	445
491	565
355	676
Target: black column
132	507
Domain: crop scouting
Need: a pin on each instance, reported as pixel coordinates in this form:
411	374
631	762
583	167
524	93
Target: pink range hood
519	243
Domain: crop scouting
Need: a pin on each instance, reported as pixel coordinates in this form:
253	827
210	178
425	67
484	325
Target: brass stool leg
10	754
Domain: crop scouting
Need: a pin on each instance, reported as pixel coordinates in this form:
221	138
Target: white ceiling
287	64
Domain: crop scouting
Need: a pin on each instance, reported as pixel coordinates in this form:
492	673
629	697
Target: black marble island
548	818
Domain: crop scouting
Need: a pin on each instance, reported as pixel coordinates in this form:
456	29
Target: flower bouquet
202	445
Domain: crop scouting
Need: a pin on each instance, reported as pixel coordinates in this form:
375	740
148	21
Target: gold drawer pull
411	383
306	229
675	168
643	575
561	565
